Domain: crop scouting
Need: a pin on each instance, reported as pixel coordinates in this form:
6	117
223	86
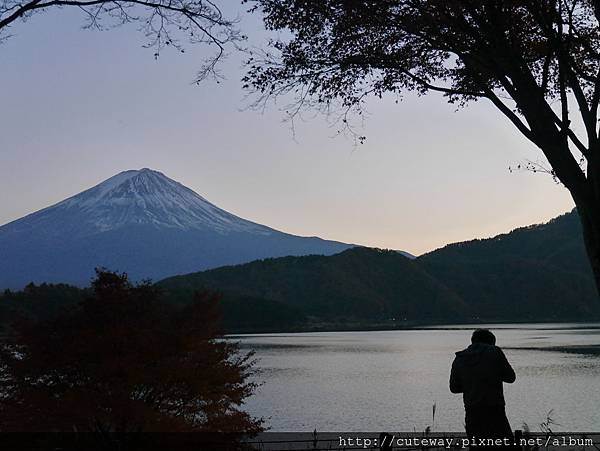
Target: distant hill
357	284
47	301
536	273
531	272
141	222
38	302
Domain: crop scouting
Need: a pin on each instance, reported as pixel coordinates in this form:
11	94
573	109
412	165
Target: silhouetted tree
124	361
163	22
537	61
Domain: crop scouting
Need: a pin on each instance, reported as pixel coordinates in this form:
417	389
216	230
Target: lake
390	380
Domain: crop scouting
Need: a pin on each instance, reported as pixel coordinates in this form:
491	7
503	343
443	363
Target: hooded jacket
478	373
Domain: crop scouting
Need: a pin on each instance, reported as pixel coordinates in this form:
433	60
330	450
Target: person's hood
472	355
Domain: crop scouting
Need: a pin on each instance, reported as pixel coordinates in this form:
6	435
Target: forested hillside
532	272
357	284
536	273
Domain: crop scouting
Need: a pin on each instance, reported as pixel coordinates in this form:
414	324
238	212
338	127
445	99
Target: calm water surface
390	380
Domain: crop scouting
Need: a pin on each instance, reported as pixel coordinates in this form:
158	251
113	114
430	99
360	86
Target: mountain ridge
360	283
532	274
141	222
517	276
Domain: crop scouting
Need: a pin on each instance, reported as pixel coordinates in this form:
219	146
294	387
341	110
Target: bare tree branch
164	22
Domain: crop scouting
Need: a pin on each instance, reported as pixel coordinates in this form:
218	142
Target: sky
78	106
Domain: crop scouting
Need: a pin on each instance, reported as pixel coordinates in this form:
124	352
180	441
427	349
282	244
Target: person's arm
455	385
507	372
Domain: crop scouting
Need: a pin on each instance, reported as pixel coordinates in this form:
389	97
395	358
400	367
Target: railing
273	441
358	441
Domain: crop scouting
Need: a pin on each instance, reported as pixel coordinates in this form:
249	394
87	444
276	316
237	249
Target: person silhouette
478	372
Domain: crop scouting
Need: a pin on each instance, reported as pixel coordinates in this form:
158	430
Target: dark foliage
531	273
39	301
248	314
360	284
125	361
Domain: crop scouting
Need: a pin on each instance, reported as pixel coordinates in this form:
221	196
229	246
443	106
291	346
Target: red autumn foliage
125	361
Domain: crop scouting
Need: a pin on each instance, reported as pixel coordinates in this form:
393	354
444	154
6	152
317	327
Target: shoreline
593	323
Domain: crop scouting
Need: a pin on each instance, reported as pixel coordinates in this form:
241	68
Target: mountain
536	273
359	284
140	222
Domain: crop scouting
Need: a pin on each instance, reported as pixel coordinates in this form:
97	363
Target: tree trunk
589	214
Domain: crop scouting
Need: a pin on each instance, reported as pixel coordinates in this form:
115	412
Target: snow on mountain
141	222
147	197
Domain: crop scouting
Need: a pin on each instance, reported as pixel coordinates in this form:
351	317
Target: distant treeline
49	301
537	273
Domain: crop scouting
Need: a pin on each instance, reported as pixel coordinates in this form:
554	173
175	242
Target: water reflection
390	379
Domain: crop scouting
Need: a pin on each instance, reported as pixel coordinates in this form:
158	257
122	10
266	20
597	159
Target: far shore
589	350
591	323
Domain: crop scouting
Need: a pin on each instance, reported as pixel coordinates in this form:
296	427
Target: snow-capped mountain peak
141	222
146	196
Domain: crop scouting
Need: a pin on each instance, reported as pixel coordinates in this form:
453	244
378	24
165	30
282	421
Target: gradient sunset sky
78	106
